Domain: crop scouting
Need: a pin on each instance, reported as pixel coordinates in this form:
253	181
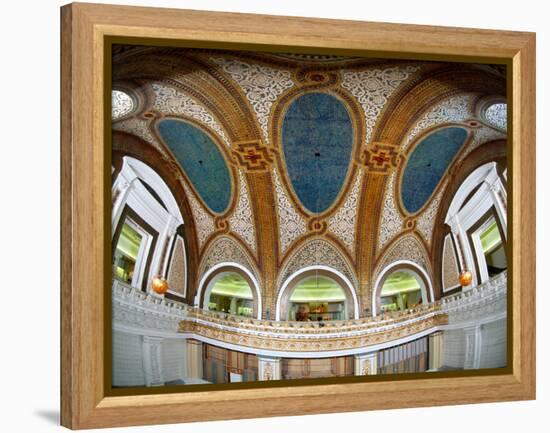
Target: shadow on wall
49	415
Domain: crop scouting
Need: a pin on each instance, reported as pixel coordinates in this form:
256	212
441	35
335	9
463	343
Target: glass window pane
126	252
493	249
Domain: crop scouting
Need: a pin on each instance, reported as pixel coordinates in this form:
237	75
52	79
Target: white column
121	189
194	359
233	306
468	259
152	361
269	368
435	350
366	364
498	192
157	266
472	358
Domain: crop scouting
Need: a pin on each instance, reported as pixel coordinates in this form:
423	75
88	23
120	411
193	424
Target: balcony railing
137	309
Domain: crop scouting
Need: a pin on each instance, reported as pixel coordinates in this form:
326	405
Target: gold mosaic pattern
176	274
342	223
449	265
310	337
242	221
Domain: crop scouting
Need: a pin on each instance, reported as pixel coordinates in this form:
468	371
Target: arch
220	270
408	266
481	193
479	175
152	178
492	151
129	145
425	91
313	252
294	279
225	248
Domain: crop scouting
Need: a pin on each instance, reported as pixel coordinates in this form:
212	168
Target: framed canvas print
270	216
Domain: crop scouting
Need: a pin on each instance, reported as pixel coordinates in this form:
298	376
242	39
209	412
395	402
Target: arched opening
401	291
145	218
231	289
477	218
317	298
316	294
401	286
231	293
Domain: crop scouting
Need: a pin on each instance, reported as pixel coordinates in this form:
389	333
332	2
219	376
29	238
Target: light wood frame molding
84	228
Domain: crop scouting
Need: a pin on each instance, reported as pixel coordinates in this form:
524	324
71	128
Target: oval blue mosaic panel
427	164
317	138
201	161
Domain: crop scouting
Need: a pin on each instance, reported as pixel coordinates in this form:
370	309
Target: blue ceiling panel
317	137
201	161
427	164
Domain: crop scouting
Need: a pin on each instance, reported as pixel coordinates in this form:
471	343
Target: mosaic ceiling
281	154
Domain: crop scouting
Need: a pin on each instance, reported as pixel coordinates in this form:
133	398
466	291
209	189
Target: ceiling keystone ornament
122	104
373	88
380	158
252	155
261	84
496	115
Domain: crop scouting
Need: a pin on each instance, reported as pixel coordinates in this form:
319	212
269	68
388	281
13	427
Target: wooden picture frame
85	190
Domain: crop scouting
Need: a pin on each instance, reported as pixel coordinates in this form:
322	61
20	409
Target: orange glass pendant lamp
160	285
465	278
